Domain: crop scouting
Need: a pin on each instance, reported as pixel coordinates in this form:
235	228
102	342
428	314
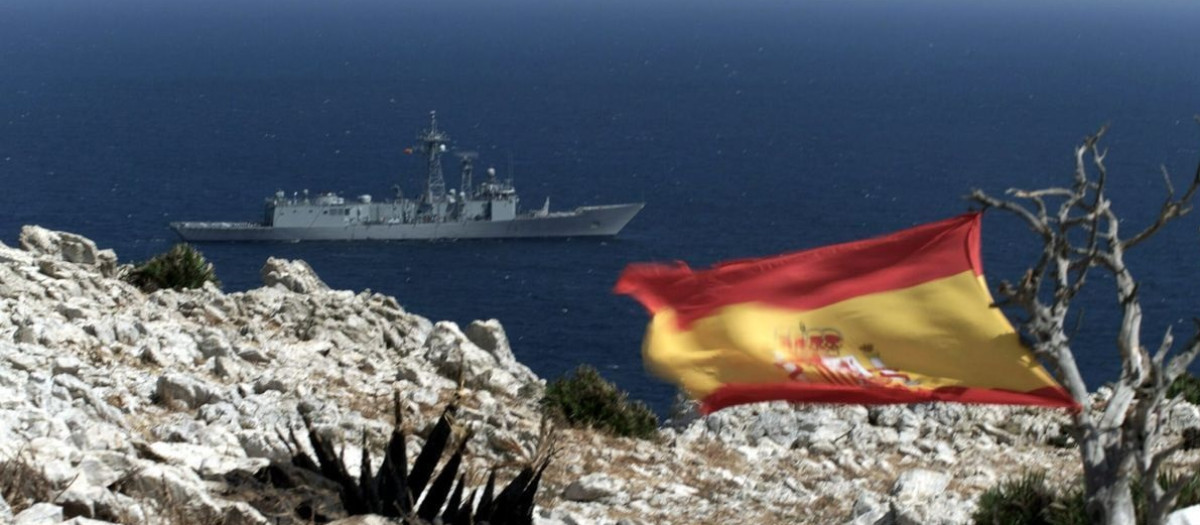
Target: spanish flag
903	318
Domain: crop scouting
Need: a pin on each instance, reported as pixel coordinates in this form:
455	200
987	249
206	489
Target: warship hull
588	221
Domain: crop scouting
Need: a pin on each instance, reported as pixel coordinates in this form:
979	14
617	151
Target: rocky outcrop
67	247
126	401
169	407
296	276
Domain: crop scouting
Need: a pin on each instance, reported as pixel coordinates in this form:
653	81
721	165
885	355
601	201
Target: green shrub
1191	491
1190	495
180	267
1069	508
1019	501
1027	500
1188	386
584	399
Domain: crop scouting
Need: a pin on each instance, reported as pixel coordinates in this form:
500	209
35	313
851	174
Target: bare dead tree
1124	440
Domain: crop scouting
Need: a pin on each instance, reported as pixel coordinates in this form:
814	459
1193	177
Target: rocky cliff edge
132	408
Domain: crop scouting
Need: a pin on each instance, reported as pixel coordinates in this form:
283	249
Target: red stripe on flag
812	278
736	394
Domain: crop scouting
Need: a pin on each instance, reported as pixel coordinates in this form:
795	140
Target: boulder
67	247
87	500
189	391
593	487
869	510
177	489
296	276
39	514
449	350
919	484
241	513
947	509
1185	516
203	460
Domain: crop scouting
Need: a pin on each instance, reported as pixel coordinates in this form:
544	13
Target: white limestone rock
213	343
594	487
39	514
83	357
6	513
449	350
296	276
68	247
181	486
1181	417
870	510
947	509
1185	516
79	520
489	336
191	392
82	498
241	513
918	484
54	458
205	461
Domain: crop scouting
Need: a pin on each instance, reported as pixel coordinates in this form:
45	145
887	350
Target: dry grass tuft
22	485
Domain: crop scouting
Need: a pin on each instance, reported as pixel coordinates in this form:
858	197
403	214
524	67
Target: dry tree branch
1031	220
1179	364
1171	209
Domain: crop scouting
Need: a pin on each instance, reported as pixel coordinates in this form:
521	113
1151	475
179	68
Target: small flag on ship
902	318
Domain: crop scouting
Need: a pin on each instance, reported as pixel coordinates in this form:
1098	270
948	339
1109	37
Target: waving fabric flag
902	318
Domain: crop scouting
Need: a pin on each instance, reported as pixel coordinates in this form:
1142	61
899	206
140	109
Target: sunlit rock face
129	407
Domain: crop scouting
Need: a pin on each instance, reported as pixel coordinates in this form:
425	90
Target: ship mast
468	169
433	144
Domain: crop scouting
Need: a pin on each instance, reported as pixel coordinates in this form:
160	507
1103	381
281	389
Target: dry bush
22	485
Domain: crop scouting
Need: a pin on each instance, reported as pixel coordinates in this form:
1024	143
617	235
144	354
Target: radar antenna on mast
468	169
433	144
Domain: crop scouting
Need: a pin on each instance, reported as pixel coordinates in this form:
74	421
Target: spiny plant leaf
525	503
393	490
300	459
484	509
454	505
392	480
427	460
333	468
365	480
464	517
504	511
436	497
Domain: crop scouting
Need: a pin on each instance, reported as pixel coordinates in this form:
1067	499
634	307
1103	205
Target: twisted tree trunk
1123	439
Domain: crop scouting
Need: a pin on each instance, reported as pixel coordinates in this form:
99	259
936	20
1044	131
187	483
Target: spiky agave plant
395	489
183	266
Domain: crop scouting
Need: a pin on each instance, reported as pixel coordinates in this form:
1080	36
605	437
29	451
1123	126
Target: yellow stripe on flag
937	334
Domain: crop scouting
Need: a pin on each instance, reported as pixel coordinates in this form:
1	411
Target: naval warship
487	210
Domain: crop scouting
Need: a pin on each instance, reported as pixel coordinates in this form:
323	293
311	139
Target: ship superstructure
488	209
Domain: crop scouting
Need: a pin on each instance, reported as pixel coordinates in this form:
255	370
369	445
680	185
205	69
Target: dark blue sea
748	127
